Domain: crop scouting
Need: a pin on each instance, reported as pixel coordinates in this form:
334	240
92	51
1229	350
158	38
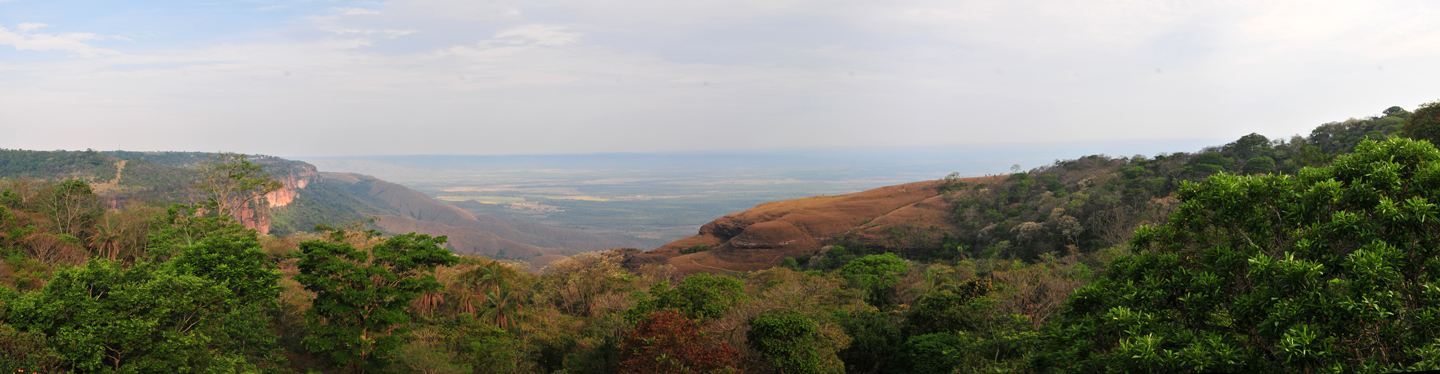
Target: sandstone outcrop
295	176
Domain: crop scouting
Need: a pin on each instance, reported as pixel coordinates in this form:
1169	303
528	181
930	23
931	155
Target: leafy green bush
789	340
1333	270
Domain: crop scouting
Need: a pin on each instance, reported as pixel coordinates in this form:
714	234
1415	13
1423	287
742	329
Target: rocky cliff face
294	179
294	176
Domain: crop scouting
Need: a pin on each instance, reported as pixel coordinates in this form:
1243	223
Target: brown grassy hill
506	238
761	237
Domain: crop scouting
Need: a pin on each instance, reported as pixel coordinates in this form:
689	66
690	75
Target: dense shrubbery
1331	270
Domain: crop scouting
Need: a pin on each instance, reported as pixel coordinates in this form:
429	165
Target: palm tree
428	302
477	285
501	306
106	238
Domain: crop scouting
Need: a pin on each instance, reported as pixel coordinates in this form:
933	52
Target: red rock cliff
294	179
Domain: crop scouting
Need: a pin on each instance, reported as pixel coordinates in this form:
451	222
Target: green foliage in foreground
1335	270
700	297
789	340
877	275
361	298
103	316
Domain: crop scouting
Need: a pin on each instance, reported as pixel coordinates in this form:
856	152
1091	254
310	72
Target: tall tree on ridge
231	183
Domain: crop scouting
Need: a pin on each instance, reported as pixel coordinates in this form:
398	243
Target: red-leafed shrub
667	342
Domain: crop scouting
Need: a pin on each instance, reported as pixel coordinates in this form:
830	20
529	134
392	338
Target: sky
478	77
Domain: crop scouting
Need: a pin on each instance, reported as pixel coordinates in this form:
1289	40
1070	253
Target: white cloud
73	41
545	35
386	33
584	76
29	26
356	11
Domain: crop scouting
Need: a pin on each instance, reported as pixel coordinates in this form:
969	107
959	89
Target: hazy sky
317	78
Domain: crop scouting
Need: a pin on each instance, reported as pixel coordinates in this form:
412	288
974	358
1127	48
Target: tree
361	298
790	341
1396	111
1424	123
71	205
1259	165
181	227
701	297
233	258
667	342
26	350
1211	162
142	319
1253	145
480	285
951	309
501	305
877	336
1333	270
876	275
120	234
231	184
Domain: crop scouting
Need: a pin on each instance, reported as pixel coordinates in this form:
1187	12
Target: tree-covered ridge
88	165
1097	201
195	160
160	178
